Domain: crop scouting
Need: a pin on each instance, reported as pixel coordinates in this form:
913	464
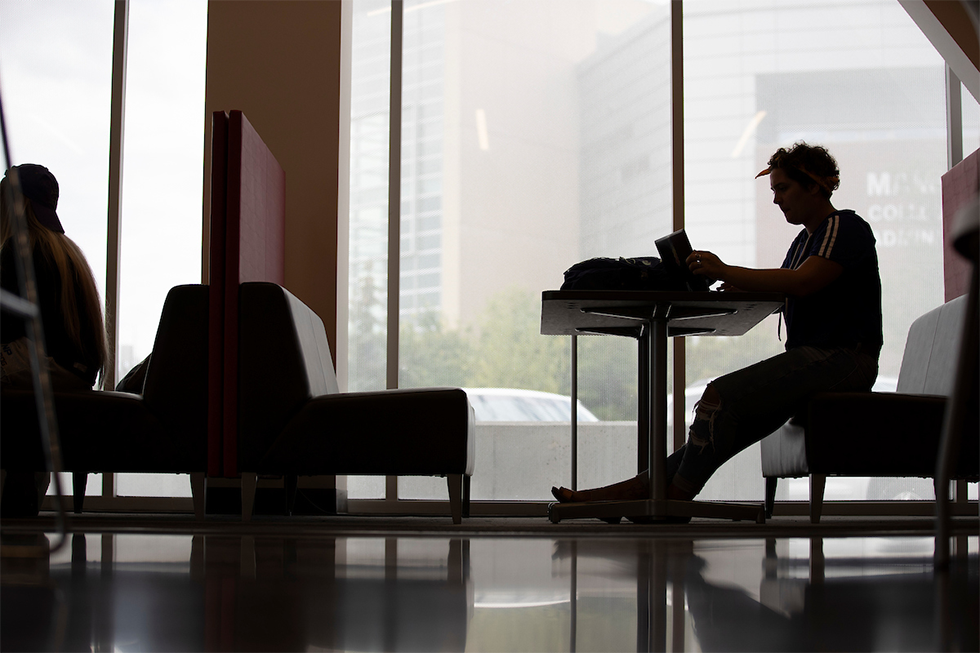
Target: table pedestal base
666	510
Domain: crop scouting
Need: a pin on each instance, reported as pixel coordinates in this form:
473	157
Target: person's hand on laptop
705	264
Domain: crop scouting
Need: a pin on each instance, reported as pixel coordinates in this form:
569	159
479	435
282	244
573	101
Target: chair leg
770	495
199	493
456	497
78	482
466	495
817	484
249	481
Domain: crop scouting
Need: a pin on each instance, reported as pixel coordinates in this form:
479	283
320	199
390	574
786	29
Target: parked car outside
518	405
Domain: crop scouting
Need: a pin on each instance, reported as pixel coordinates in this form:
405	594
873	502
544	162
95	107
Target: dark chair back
176	386
284	361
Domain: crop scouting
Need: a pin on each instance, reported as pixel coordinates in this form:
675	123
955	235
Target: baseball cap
39	185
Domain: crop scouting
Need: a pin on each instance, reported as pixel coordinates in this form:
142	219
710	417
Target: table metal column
656	458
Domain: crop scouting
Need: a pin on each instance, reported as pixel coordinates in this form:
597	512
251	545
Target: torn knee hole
699	442
701	433
706	409
710	397
702	428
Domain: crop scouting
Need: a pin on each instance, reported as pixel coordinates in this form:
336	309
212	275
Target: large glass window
163	157
55	80
368	247
859	78
56	70
537	134
534	135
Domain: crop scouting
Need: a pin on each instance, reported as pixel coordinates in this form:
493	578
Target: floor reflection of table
651	317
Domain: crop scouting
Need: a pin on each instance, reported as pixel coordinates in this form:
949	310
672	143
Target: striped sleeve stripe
830	237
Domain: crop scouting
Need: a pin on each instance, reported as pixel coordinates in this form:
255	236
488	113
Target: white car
517	405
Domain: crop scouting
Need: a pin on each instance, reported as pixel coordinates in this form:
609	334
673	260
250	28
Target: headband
829	184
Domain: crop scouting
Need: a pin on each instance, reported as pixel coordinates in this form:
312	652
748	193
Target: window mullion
120	38
394	210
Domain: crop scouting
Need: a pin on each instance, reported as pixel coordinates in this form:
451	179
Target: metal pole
117	122
394	210
658	406
394	190
677	168
574	414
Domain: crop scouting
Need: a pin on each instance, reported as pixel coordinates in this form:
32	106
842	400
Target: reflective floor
311	591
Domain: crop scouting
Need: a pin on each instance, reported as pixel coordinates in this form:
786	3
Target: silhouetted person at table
833	325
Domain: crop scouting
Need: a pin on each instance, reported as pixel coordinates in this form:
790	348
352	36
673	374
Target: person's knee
710	395
702	428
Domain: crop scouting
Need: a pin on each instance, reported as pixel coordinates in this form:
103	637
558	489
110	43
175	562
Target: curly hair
807	165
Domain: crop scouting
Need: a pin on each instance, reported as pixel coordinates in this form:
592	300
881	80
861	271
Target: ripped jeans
757	400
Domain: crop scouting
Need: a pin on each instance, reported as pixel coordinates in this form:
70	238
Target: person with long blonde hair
71	311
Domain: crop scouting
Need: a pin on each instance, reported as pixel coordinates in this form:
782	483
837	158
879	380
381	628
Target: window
56	96
537	134
163	158
56	92
859	78
530	132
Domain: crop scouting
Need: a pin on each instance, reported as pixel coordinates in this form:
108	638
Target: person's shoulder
845	223
850	221
844	234
846	216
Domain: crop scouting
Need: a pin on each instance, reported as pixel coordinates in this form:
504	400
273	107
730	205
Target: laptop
674	250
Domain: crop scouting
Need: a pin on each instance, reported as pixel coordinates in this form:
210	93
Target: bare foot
630	489
563	495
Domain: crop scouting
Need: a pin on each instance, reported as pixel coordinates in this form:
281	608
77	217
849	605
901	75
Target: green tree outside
507	350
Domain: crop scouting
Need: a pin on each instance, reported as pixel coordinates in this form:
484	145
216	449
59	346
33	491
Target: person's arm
814	274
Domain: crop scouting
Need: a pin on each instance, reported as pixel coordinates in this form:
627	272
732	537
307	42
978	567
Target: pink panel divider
960	185
251	235
216	290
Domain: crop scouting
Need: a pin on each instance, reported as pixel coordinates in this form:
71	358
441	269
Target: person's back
70	307
71	314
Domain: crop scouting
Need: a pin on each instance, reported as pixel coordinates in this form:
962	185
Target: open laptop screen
674	250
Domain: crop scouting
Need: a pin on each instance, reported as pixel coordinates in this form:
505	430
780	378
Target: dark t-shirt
57	343
847	312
